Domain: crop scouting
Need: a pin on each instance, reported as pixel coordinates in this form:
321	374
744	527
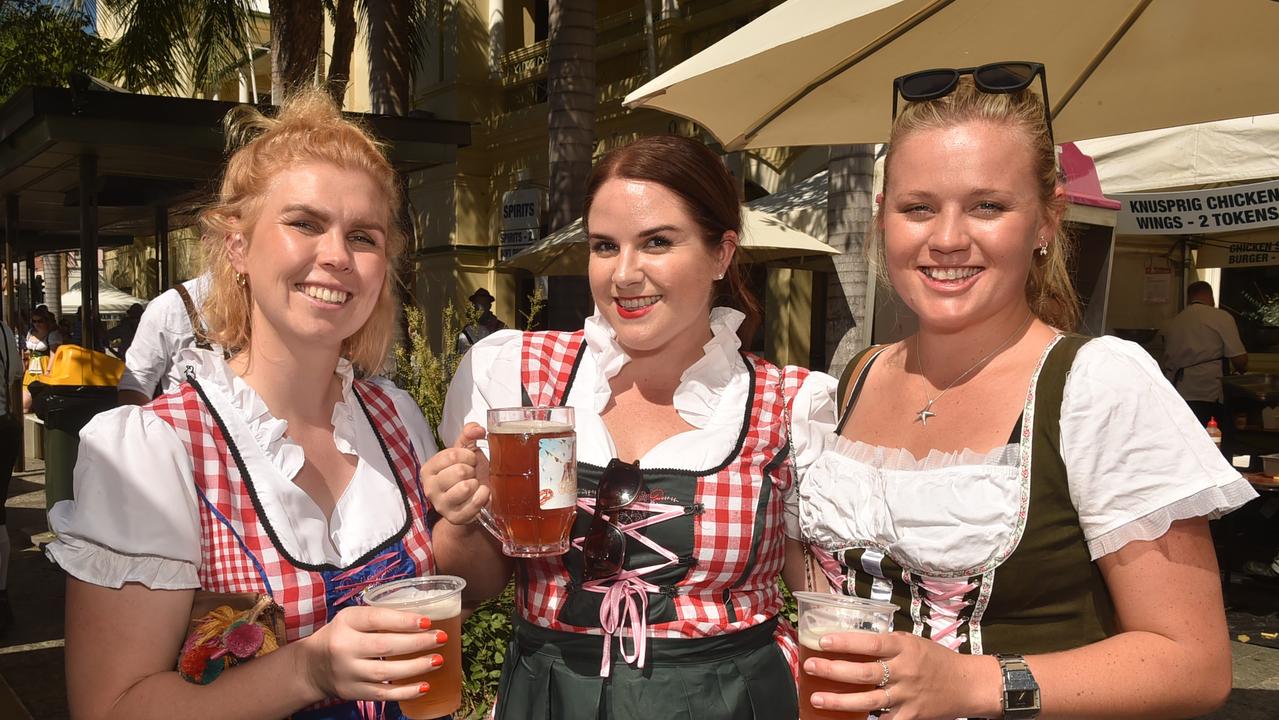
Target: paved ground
32	681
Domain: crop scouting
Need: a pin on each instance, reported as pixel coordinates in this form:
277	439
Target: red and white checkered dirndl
237	547
724	582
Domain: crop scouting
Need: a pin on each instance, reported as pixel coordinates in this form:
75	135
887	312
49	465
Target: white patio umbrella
819	72
764	239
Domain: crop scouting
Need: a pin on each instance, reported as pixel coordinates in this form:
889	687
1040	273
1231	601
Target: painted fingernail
437	660
424	623
441	637
421	689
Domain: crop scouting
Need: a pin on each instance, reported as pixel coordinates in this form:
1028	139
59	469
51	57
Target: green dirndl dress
551	674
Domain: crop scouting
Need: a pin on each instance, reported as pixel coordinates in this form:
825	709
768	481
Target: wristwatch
1021	692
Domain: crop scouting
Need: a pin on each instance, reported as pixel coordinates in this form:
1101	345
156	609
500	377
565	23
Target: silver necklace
927	410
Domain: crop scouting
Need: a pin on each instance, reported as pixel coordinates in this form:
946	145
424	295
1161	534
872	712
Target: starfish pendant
925	413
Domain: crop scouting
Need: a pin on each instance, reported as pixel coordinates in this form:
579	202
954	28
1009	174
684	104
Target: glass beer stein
533	479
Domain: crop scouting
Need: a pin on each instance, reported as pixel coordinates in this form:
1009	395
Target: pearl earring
719	276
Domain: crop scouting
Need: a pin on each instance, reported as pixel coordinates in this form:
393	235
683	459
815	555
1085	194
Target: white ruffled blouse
710	396
1137	462
135	517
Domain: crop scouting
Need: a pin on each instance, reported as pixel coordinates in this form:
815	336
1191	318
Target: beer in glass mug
438	597
822	614
533	479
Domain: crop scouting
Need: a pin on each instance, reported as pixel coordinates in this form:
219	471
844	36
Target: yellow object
75	365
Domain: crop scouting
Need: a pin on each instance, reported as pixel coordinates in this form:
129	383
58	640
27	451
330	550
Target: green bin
65	409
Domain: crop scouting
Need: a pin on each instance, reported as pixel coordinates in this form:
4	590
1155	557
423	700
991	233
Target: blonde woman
1034	502
285	470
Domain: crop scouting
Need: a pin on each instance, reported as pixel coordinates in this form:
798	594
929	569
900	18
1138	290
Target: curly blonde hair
1049	290
307	128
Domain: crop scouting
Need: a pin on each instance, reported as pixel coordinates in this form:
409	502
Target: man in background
170	324
485	325
1196	342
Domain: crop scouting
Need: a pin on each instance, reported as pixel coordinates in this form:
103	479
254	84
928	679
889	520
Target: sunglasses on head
994	78
604	549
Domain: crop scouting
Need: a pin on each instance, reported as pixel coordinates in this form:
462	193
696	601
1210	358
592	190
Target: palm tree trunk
297	31
390	56
570	95
570	92
343	45
849	212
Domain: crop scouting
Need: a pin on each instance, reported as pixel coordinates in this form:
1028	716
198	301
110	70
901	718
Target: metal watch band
1021	692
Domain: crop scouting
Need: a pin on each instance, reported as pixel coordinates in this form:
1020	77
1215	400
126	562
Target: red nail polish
421	689
424	623
441	637
437	660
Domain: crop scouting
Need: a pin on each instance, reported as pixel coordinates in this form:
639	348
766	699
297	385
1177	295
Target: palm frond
149	51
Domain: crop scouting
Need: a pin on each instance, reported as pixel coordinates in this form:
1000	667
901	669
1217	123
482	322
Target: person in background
41	343
1196	341
10	442
170	324
120	337
1035	502
287	471
676	614
485	325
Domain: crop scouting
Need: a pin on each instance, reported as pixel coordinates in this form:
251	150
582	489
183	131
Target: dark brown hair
698	177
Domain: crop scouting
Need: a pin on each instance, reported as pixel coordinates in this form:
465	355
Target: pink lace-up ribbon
625	603
946	598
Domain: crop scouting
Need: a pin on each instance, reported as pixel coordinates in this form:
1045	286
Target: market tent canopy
111	299
1192	156
765	238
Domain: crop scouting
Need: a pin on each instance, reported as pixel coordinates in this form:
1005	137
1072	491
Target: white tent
111	300
1227	151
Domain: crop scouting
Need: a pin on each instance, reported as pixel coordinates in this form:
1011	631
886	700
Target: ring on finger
883	679
888	703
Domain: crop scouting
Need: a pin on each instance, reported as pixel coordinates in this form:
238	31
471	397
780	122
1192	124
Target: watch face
1021	698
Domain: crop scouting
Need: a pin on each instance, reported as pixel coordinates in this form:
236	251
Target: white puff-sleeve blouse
710	396
134	517
1136	459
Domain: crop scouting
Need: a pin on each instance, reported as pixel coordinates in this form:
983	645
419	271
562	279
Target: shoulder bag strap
854	375
197	327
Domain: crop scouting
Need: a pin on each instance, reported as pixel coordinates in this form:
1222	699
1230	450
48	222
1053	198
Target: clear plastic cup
438	597
822	614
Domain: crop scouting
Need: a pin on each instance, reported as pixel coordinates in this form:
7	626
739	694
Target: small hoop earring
241	279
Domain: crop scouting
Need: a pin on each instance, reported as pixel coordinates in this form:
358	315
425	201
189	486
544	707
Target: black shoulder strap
197	327
854	374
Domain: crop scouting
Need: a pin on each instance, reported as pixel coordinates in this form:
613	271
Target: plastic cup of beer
438	597
532	478
822	614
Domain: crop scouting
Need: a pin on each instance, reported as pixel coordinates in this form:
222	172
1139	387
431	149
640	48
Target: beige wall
1127	307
